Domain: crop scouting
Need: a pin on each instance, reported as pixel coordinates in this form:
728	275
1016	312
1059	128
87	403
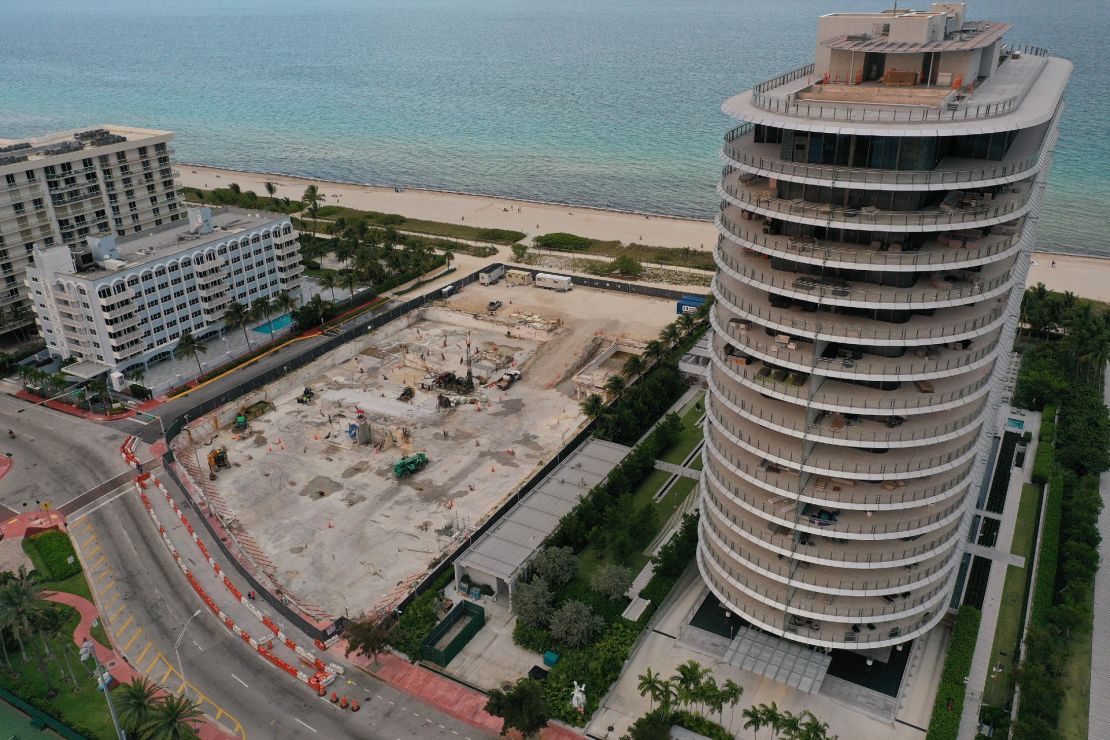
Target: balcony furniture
923	386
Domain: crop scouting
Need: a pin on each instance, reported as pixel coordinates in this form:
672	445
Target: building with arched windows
878	209
142	292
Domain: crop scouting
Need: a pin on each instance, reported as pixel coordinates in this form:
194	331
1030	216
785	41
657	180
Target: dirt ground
313	483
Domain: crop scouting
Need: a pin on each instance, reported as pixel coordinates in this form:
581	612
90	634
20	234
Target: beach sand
476	210
1085	276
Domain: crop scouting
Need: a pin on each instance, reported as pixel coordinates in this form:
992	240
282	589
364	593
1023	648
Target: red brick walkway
65	408
450	697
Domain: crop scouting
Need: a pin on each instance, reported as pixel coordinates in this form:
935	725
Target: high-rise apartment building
878	207
61	189
143	291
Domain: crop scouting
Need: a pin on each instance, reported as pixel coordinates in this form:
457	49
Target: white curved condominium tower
877	213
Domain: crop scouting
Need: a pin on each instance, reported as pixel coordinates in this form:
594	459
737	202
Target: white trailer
492	275
560	283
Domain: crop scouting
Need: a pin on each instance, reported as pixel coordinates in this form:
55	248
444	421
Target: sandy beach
1085	276
476	210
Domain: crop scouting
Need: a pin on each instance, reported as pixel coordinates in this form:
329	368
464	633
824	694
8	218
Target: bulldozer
406	466
217	459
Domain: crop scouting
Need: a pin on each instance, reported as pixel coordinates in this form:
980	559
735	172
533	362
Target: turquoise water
614	104
274	325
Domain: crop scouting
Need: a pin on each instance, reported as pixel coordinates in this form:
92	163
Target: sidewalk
65	408
459	701
1099	711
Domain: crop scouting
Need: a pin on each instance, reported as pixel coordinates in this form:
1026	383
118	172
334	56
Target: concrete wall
964	64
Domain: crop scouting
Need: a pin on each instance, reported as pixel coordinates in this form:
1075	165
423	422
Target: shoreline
1085	275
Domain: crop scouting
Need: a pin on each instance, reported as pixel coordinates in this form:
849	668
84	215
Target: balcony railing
843	255
865	496
827	111
825	214
917	435
841	328
845	293
851	369
841	175
817	579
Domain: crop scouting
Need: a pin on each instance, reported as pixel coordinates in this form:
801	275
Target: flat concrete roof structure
500	555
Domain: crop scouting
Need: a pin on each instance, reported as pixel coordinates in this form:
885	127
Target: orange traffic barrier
343	703
334	698
354	706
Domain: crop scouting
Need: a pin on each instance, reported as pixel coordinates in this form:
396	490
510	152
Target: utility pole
103	682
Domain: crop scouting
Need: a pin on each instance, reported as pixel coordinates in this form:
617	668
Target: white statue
578	698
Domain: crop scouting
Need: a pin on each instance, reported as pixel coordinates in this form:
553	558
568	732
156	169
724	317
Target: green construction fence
441	656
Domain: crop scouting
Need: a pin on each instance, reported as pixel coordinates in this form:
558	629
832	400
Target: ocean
610	103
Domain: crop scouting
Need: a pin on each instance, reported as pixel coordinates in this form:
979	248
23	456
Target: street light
45	400
177	643
103	682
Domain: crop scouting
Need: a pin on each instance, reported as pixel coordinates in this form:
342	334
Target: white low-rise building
141	293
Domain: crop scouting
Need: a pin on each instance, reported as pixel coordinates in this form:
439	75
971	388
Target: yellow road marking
119	632
103	573
139	660
92	538
157	657
109	600
118	612
133	638
169	670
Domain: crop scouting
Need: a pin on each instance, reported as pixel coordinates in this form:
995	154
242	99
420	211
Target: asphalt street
55	457
146	601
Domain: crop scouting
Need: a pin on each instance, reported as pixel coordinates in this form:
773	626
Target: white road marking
302	723
240	681
393	702
97	505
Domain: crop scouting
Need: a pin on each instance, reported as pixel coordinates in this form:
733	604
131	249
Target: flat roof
85	139
973	35
510	544
179	236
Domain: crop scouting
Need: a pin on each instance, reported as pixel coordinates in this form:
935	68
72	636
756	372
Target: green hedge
1050	551
418	619
54	550
563	242
949	704
1043	462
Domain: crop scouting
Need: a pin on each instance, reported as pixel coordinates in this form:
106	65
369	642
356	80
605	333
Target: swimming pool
275	324
1015	424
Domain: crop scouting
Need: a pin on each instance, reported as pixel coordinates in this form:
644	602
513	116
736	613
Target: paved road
146	601
55	457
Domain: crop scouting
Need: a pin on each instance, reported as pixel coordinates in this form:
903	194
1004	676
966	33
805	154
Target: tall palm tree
312	199
238	316
22	607
789	725
350	282
284	302
615	385
262	308
96	388
649	686
592	406
732	692
753	720
688	678
174	718
772	716
328	281
271	189
137	701
190	346
26	373
654	351
668	695
670	335
686	322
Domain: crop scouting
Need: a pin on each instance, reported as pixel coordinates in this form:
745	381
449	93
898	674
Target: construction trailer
689	304
492	275
518	277
560	283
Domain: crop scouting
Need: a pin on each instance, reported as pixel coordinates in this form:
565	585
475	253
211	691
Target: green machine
406	466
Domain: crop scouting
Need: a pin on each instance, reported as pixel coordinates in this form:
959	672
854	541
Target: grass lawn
690	437
85	710
1077	688
696	258
1011	612
75	584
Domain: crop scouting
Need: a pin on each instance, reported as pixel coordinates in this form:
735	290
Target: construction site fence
39	717
362	324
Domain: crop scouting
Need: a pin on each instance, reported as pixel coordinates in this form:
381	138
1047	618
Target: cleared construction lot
312	483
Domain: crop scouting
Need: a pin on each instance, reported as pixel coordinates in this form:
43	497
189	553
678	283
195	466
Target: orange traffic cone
343	703
354	706
334	698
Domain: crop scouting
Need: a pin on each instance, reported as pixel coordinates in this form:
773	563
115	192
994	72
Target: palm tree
174	718
328	281
237	315
633	366
190	346
137	702
650	685
732	692
688	678
137	375
668	695
789	726
686	322
261	308
654	351
350	282
312	199
615	385
271	189
771	715
812	728
592	406
670	335
96	388
284	302
234	187
754	719
23	608
26	373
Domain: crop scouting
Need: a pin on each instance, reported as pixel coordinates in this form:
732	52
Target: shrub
563	242
575	625
139	391
612	581
418	619
536	639
54	550
532	603
498	236
555	565
597	666
948	707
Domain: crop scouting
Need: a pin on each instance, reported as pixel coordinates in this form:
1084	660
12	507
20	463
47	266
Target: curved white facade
863	319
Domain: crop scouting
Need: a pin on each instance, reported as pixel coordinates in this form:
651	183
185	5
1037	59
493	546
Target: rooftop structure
878	208
140	293
61	189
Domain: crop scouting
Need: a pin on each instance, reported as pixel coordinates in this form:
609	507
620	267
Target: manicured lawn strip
1012	609
1075	712
690	437
949	704
84	711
